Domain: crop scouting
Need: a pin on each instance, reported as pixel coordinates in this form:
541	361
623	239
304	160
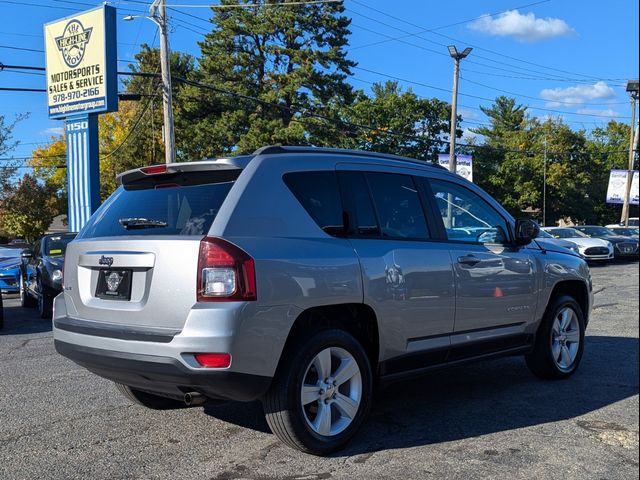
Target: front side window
466	216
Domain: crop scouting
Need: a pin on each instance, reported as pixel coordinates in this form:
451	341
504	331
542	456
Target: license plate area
114	284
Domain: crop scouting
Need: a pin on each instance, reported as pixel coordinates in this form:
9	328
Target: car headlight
56	275
575	249
610	245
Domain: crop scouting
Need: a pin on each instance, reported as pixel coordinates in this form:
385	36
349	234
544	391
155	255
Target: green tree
293	57
27	209
8	168
128	138
608	148
507	121
401	122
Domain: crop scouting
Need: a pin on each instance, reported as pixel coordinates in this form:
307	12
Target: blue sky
565	58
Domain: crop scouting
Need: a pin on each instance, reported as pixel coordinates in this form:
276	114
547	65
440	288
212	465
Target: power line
11	47
417	138
482	98
407	22
538	98
469	107
250	5
432	29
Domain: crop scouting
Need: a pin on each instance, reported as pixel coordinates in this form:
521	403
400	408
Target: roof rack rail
276	149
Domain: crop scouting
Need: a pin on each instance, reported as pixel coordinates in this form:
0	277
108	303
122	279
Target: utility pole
544	185
457	56
165	65
158	15
632	88
453	164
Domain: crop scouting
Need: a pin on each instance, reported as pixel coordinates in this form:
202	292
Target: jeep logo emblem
108	261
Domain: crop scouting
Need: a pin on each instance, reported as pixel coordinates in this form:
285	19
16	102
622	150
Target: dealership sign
618	187
464	164
81	63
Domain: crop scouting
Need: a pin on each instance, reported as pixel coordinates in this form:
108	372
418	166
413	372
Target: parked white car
633	222
589	248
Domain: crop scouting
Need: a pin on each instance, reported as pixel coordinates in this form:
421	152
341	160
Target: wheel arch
357	319
576	289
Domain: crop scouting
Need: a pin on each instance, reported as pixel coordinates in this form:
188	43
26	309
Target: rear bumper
164	375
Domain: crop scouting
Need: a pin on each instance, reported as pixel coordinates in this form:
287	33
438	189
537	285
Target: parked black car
625	231
41	272
623	247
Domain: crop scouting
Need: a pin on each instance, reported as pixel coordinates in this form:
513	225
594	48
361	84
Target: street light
158	15
633	89
457	56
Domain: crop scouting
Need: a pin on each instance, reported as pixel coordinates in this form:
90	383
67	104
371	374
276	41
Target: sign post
82	82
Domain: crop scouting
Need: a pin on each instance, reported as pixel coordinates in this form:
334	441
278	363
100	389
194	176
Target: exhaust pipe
193	399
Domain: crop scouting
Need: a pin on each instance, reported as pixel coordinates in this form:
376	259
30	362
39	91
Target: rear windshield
174	210
56	246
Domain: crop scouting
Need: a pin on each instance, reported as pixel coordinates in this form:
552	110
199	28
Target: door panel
495	280
495	286
410	286
407	279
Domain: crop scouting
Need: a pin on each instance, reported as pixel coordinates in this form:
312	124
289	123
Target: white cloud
605	114
467	135
577	95
526	28
468	114
53	131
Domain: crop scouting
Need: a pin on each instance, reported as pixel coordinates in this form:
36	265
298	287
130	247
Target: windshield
596	231
566	233
544	234
626	232
56	246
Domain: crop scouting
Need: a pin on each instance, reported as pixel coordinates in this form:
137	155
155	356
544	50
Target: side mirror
526	231
26	254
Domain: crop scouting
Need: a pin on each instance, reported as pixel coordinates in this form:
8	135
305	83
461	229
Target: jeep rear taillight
225	272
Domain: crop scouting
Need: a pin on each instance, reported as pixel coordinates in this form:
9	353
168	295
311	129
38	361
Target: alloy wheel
565	338
331	391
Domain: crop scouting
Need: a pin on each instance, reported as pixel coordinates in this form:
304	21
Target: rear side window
356	195
318	193
398	205
160	209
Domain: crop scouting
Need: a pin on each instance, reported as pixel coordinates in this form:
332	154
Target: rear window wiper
132	223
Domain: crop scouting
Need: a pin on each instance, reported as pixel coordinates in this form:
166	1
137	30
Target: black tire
148	400
541	361
45	302
26	300
285	414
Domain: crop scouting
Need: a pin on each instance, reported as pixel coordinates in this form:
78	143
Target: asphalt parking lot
488	420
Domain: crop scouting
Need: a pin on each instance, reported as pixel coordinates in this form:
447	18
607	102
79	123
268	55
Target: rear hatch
135	262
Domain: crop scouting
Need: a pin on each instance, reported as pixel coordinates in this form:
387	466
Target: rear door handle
468	260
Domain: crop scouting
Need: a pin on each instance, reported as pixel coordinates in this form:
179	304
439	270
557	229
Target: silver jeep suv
303	277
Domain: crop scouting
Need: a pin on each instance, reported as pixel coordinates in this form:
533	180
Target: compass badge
113	280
